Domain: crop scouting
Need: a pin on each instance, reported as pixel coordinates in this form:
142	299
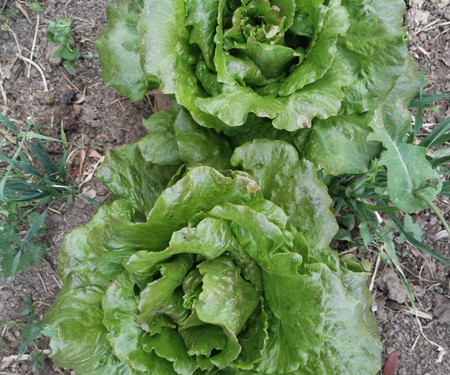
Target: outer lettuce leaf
160	55
127	168
374	25
339	144
167	54
325	336
160	146
200	146
85	252
118	46
81	341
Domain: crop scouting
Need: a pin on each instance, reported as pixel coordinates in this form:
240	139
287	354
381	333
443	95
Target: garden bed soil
102	119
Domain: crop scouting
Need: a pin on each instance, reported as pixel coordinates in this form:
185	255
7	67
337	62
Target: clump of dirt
100	119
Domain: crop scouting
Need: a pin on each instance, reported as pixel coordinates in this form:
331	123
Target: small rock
89	192
69	97
49	54
381	311
418	17
417	4
49	98
441	309
443	4
390	284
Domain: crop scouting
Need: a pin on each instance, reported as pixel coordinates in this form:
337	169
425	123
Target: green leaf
320	99
120	307
332	22
81	341
410	176
85	247
160	146
127	174
200	146
339	145
36	6
199	191
69	64
226	299
201	16
170	346
412	228
158	297
374	68
67	53
118	50
235	103
289	348
161	40
291	184
210	239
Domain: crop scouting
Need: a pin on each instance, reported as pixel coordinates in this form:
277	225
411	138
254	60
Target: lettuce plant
317	69
218	272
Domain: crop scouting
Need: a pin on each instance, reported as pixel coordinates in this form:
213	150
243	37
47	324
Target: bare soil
102	120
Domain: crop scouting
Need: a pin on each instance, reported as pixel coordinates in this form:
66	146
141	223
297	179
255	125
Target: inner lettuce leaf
217	273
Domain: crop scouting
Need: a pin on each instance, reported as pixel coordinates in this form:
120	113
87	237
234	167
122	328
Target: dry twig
44	81
5	98
33	45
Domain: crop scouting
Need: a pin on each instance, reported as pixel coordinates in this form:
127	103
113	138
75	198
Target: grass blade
439	135
428	99
8	124
417	243
35	135
35	227
418	123
91	200
15	262
23	166
49	165
10	166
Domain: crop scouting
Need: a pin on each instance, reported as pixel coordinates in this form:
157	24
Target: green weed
31	333
35	6
59	34
30	184
362	204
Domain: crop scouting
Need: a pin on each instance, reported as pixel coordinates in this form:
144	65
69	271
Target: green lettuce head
229	61
217	273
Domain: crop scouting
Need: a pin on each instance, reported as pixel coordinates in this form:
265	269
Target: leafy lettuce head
229	61
217	273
